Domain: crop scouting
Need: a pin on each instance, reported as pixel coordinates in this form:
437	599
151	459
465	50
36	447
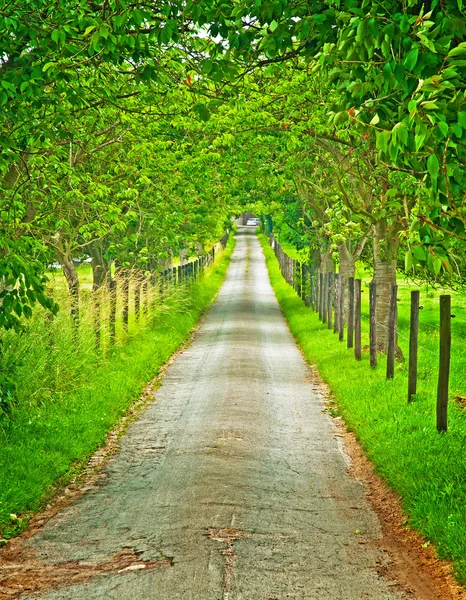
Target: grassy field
69	397
427	469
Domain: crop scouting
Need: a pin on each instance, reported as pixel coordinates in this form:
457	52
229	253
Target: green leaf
207	66
408	260
419	253
419	138
88	30
430	105
462	119
273	25
202	111
382	140
433	166
443	128
458	51
411	59
48	66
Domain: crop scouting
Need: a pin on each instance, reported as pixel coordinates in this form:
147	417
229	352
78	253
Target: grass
59	420
427	469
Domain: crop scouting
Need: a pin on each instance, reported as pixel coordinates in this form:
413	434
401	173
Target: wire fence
338	302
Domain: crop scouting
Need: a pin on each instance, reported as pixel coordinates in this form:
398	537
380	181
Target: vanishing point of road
232	485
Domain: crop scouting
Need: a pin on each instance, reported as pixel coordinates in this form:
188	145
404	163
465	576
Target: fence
134	295
337	300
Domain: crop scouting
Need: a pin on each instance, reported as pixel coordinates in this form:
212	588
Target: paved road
231	486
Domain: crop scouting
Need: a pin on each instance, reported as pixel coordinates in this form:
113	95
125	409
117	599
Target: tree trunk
347	269
386	245
100	266
347	261
72	279
326	263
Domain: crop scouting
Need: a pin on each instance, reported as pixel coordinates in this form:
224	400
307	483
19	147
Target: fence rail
337	300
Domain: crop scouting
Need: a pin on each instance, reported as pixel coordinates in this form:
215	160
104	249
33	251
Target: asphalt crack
229	536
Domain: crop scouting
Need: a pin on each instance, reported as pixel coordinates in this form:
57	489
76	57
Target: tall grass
69	394
427	469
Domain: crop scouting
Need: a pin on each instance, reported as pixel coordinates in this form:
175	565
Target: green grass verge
49	441
427	469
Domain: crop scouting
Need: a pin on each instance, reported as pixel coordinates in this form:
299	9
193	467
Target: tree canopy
134	130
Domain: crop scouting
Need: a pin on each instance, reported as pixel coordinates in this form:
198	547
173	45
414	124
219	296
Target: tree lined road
232	485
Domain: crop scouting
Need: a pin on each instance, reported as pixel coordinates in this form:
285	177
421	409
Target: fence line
337	300
133	296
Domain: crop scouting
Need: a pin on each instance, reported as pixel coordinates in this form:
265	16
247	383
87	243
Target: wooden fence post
444	362
317	290
336	303
321	295
96	301
329	299
125	294
112	285
324	297
341	310
350	335
137	298
303	282
413	344
357	319
145	297
392	333
373	324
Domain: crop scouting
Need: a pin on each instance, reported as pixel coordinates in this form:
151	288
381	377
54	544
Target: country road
232	485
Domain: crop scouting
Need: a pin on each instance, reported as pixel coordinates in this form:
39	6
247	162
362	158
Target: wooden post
357	319
350	335
391	333
341	310
321	295
324	297
96	296
329	299
336	303
317	291
303	282
125	290
112	313
373	324
413	344
145	297
311	284
137	299
444	362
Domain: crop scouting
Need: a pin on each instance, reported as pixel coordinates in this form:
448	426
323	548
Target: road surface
231	486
